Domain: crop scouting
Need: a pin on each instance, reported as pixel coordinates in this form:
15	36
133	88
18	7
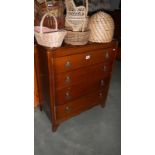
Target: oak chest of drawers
73	79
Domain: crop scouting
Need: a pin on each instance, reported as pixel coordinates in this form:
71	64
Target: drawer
68	63
77	76
73	92
81	104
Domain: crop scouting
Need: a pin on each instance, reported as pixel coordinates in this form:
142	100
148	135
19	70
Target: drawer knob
67	95
107	55
68	64
105	68
102	82
68	79
114	49
100	94
67	109
87	57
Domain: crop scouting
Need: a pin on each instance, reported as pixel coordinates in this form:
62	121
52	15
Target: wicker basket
49	37
76	24
77	38
101	27
76	17
55	8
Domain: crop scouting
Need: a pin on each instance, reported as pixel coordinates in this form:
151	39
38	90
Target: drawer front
68	63
70	93
81	104
77	76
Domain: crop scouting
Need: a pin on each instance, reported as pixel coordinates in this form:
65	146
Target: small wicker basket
49	37
77	38
101	27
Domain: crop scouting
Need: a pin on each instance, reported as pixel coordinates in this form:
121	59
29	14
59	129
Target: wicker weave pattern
76	18
101	27
76	24
77	38
49	37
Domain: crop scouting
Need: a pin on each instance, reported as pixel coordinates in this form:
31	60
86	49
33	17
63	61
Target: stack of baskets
79	31
76	23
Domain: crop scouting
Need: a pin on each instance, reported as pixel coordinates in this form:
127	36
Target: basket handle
71	2
86	6
42	20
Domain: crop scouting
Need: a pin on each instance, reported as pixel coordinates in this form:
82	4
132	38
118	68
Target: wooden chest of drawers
73	79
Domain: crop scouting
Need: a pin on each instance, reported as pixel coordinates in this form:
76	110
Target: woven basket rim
86	31
51	31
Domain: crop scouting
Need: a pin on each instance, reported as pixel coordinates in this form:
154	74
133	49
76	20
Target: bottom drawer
75	107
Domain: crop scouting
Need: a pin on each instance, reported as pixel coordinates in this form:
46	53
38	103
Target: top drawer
67	63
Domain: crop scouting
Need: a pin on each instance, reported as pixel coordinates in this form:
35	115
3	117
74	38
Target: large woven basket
49	37
77	38
101	27
76	17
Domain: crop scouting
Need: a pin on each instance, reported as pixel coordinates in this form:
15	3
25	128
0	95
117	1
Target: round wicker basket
101	26
77	38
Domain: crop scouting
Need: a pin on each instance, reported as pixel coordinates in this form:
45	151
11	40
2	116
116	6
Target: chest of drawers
73	79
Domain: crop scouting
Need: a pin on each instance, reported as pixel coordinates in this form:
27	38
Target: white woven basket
76	17
101	26
49	37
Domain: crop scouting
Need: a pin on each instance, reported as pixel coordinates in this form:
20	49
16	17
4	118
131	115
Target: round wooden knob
102	82
105	68
68	64
67	95
67	109
68	79
100	94
107	55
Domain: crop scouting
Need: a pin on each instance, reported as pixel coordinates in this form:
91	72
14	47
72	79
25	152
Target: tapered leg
54	127
102	105
41	107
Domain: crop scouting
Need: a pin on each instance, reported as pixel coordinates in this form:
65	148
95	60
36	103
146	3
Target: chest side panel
43	80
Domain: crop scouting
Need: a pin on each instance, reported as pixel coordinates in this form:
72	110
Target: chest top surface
66	50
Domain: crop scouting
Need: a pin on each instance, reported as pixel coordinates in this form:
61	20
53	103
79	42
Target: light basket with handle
49	37
76	17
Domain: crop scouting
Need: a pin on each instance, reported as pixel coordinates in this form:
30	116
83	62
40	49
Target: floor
95	132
